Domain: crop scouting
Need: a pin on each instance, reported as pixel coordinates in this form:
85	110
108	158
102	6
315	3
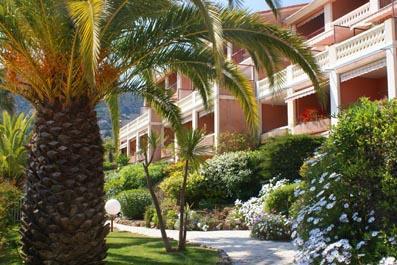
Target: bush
132	177
350	192
283	156
9	199
122	160
109	166
272	227
134	202
171	186
280	200
231	176
234	142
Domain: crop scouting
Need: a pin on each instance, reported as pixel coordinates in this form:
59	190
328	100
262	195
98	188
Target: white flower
388	261
343	218
346	205
360	244
371	219
375	233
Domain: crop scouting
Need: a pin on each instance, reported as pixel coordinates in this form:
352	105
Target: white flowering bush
252	210
348	201
231	176
272	227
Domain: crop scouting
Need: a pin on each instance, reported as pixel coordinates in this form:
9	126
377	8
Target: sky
258	5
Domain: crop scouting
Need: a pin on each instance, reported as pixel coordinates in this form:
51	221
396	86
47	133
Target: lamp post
112	207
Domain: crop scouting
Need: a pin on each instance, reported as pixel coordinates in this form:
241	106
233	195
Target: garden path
238	245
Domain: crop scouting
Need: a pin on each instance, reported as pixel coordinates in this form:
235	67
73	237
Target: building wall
358	87
342	7
231	118
207	122
273	117
310	102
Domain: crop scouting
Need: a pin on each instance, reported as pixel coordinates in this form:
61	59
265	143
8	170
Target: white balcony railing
135	125
362	44
354	17
348	51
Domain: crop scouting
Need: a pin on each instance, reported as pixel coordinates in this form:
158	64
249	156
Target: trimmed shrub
132	177
272	227
122	160
171	186
283	156
134	202
349	197
280	200
234	142
231	176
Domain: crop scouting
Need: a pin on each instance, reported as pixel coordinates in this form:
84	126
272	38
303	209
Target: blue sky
257	5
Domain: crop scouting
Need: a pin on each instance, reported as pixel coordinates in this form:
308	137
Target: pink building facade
354	43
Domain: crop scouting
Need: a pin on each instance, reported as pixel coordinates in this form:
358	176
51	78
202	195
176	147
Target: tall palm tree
66	56
192	152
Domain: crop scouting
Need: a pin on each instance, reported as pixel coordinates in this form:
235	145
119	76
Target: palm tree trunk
182	226
63	216
156	203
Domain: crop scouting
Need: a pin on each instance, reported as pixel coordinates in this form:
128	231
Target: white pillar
137	147
291	107
178	84
229	51
374	6
128	148
391	58
335	97
194	120
328	16
217	123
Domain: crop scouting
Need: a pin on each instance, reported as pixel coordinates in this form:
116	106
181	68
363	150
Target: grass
126	248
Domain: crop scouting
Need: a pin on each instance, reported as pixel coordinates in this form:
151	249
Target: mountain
130	107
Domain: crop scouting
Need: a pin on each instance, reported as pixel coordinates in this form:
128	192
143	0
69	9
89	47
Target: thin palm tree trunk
156	203
182	227
63	216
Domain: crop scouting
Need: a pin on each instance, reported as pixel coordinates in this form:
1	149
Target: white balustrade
132	127
362	44
354	16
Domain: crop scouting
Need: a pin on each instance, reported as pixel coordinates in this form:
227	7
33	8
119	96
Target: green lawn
126	248
131	249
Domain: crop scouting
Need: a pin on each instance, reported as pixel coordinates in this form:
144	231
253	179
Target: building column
374	6
229	52
137	147
335	96
179	82
291	107
217	123
128	148
328	16
391	58
194	114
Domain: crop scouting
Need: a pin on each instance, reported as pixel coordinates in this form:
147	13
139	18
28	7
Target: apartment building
354	45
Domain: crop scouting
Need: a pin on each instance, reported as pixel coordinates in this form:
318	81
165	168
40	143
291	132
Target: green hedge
283	156
281	200
132	177
134	202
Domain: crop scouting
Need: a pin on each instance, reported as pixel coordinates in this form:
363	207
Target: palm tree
14	135
66	56
148	148
192	152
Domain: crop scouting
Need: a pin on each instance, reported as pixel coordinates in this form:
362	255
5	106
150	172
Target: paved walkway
238	245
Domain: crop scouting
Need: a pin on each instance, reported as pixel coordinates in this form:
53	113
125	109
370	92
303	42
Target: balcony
276	132
191	102
354	16
133	127
313	127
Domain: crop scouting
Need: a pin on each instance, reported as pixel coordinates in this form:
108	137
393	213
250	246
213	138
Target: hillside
129	107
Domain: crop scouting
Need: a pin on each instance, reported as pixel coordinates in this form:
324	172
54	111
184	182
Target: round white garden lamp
112	208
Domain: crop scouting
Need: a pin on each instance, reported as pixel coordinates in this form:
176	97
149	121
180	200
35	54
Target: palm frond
112	102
